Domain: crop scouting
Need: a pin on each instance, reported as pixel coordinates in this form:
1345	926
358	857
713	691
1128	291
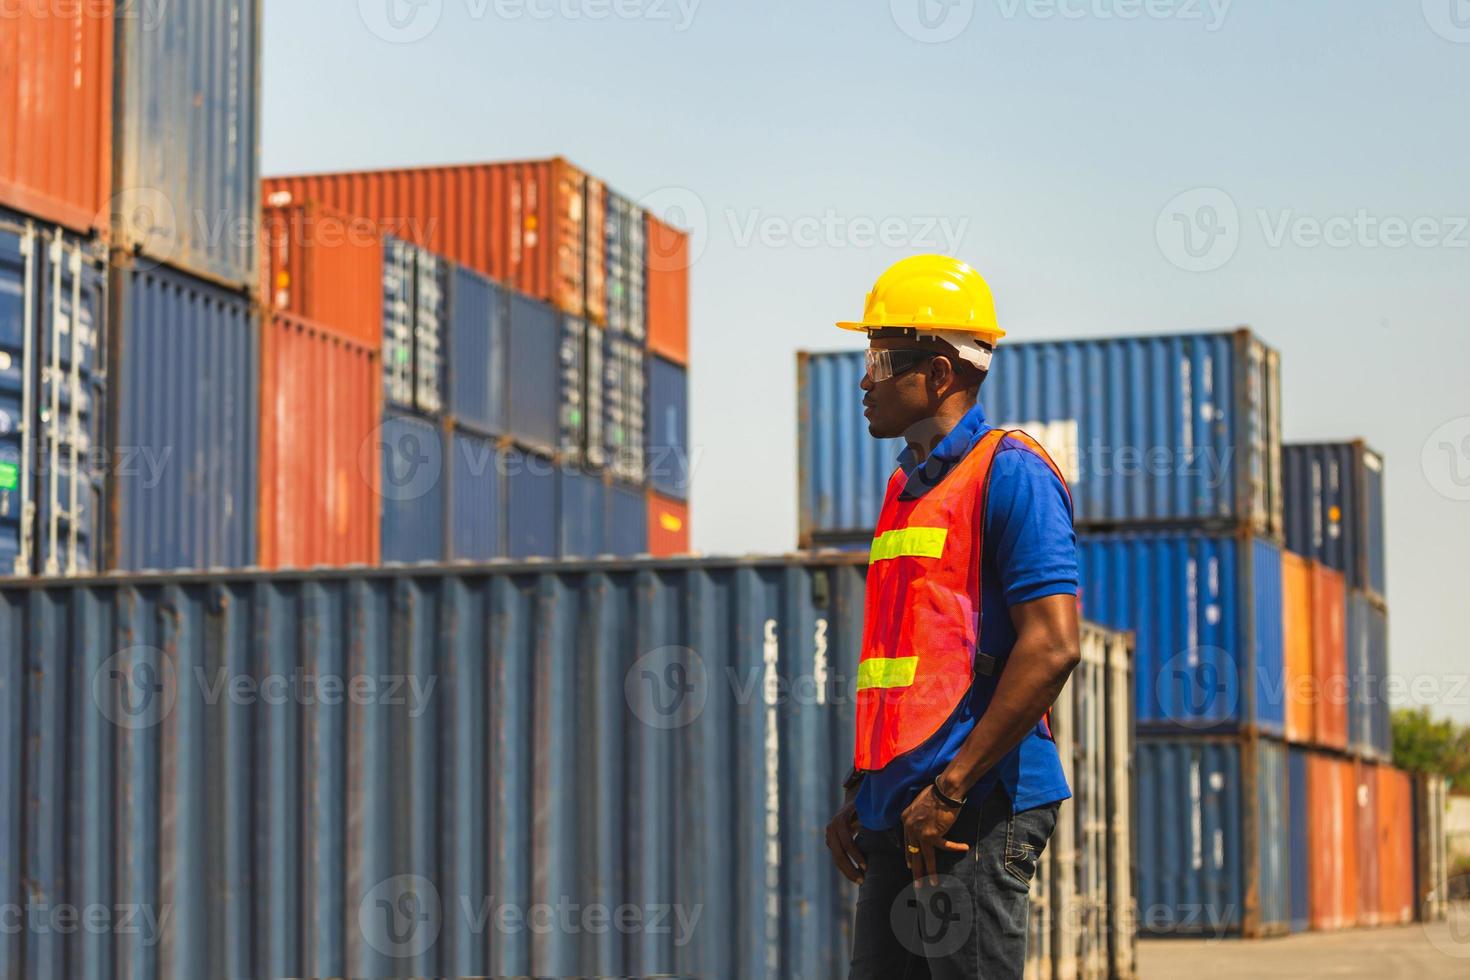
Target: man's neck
924	436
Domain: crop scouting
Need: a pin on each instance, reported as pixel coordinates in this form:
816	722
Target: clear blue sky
1045	140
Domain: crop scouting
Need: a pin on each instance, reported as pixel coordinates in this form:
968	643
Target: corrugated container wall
521	223
276	830
320	407
581	514
531	489
477	340
324	266
1296	634
1332	800
186	142
1431	858
53	317
1148	430
573	410
184	362
1206	610
1370	729
1395	846
670	457
668	526
627	521
477	498
1212	836
1365	779
533	388
625	412
1329	657
668	291
1298	839
412	489
1335	510
56	76
627	260
415	288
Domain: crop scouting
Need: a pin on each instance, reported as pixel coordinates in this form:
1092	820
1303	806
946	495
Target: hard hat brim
990	335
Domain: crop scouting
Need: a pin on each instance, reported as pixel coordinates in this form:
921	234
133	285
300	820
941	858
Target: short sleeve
1028	528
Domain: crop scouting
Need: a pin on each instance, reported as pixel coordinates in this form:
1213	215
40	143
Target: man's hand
845	853
925	823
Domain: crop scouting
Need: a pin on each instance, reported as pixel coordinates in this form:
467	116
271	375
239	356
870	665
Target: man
970	633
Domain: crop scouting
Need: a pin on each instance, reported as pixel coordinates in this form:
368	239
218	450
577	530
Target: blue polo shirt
1030	551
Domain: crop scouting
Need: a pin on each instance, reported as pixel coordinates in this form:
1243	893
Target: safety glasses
885	364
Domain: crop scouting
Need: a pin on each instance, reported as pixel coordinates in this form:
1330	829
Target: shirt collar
951	449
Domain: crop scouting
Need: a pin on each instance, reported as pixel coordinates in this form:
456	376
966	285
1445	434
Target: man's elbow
1066	655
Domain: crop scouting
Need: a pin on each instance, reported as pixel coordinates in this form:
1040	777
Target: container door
596	414
18	284
1375	575
532	382
637	267
398	315
572	362
624	388
431	286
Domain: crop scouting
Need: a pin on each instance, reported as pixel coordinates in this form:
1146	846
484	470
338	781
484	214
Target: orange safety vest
921	626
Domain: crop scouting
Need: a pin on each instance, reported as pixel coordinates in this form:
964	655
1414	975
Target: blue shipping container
477	498
670	468
574	407
412	490
52	392
533	388
415	285
1370	729
1164	430
184	396
1298	839
627	521
1206	609
1212	836
582	514
1334	510
627	260
186	138
477	336
531	489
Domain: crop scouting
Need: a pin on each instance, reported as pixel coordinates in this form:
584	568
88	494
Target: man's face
895	405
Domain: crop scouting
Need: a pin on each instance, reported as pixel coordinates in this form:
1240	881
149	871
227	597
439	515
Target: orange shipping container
1332	801
319	407
56	111
1329	656
668	291
1365	776
325	266
668	526
523	223
1296	628
1395	846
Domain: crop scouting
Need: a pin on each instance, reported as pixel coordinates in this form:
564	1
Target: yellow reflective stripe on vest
886	672
914	542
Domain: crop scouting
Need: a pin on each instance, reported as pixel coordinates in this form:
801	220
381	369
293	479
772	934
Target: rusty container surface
1332	801
1365	778
668	526
1296	630
1329	657
668	291
326	266
1431	848
1395	846
319	407
523	223
56	111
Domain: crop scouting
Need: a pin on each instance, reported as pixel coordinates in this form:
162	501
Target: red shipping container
524	223
325	266
56	111
1395	846
1329	656
1365	777
319	407
1296	629
1332	799
668	526
668	291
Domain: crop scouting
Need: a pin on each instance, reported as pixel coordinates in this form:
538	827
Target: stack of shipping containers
128	340
523	314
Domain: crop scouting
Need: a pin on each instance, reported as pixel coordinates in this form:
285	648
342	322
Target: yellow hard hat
934	292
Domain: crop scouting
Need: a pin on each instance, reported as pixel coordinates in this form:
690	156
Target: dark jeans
973	922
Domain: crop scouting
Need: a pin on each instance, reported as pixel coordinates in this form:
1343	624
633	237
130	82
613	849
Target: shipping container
668	291
1212	836
187	137
56	76
625	394
1296	635
531	489
1329	657
1175	429
627	520
523	223
53	312
184	372
478	315
1332	801
627	261
669	453
1395	846
277	830
477	504
1431	860
533	388
573	410
1335	510
325	266
668	526
595	437
582	514
319	468
415	286
1299	839
1365	776
1370	731
412	489
1206	609
594	251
